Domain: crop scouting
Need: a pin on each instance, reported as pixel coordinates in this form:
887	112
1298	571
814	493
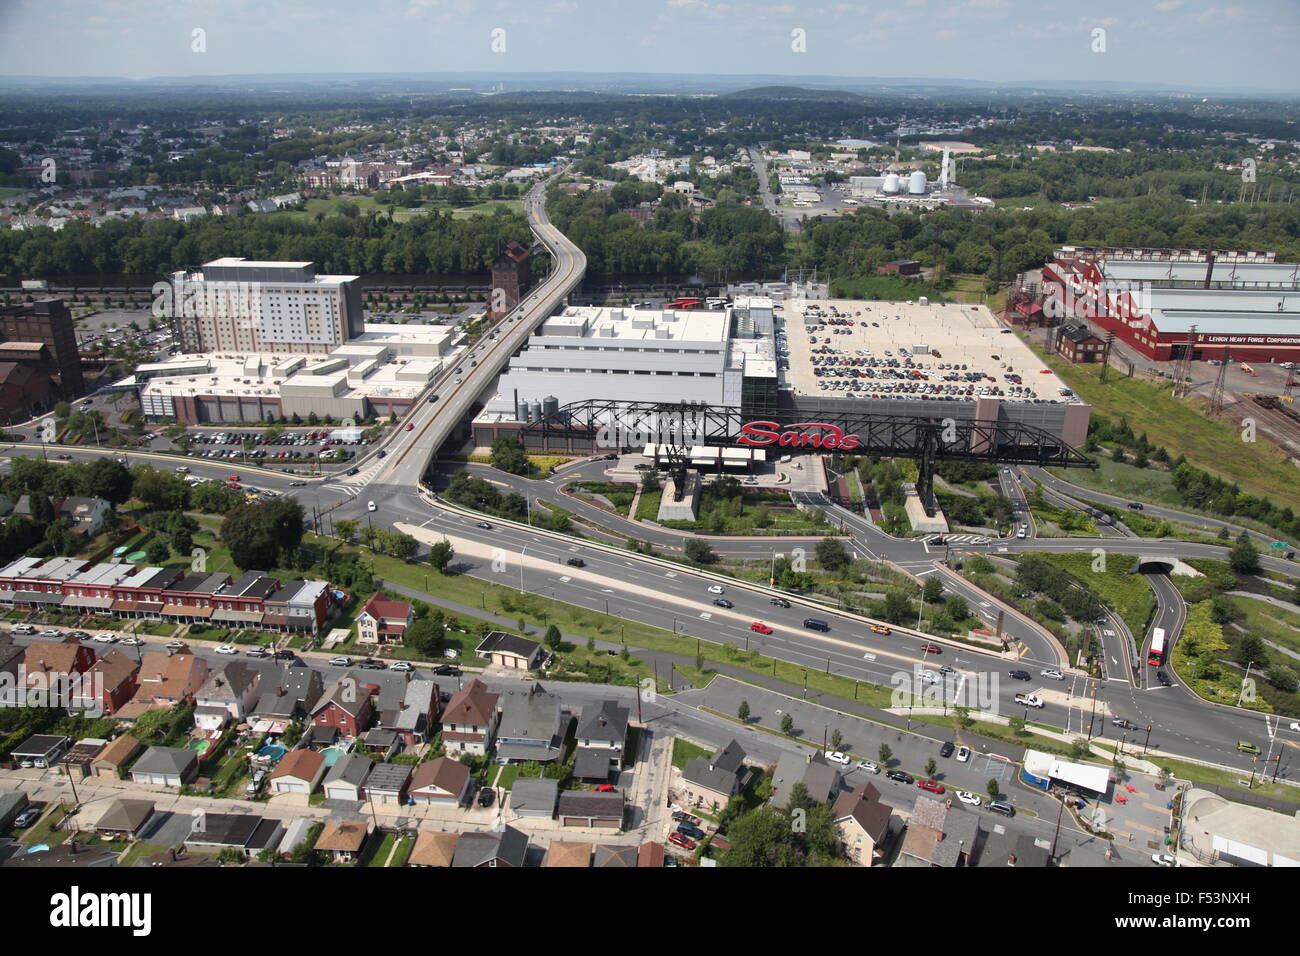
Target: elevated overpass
410	452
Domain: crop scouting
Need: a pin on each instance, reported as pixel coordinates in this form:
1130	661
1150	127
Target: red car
232	477
685	842
604	788
760	627
410	425
931	785
233	485
931	649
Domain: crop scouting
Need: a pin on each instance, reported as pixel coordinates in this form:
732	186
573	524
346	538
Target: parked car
869	766
968	798
681	840
947	749
340	661
176	645
27	818
227	649
1002	807
255	784
131	641
105	638
258	652
1164	859
834	756
681	816
404	666
963	754
370	664
604	788
51	632
933	786
486	796
693	832
450	653
900	776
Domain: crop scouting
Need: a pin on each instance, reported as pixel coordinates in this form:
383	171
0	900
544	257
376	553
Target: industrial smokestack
1209	263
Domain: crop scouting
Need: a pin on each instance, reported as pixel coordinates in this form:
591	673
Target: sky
1200	44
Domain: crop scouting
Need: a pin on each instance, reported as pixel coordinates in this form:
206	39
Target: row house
189	600
140	595
165	680
299	607
470	719
47	663
91	591
242	603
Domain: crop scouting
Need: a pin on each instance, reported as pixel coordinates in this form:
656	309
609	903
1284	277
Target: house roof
113	668
863	806
126	816
534	793
54	656
650	854
388	776
443	774
473	704
591	763
719	772
507	845
433	849
300	764
166	760
499	642
345	836
566	853
351	768
226	829
606	721
532	714
607	854
939	834
587	803
818	776
381	606
118	752
39	745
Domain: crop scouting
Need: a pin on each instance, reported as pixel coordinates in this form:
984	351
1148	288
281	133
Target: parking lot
322	445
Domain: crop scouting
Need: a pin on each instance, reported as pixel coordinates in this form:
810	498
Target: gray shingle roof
606	721
508	845
350	768
534	793
165	760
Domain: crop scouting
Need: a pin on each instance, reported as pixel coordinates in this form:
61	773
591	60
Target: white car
968	798
175	645
340	661
1028	700
867	765
834	756
105	638
716	589
963	754
370	506
400	666
227	649
1164	859
930	677
1052	675
131	641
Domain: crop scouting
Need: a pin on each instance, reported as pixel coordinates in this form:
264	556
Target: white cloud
1164	6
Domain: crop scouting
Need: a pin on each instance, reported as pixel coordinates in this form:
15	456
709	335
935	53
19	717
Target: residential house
497	848
299	771
346	780
79	758
11	656
124	819
534	797
166	767
1076	343
1015	849
55	665
295	835
585	808
343	840
469	720
116	756
290	694
383	620
938	835
433	849
12	803
567	854
109	684
715	779
87	516
863	823
228	695
601	736
299	607
245	833
440	782
510	651
165	680
650	855
414	718
532	727
812	770
347	709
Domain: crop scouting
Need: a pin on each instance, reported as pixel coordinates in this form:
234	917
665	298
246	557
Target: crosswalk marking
357	481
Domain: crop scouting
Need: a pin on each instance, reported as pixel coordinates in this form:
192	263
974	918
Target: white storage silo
916	183
892	183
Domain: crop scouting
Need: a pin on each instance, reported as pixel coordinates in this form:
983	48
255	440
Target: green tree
897	608
699	551
831	555
552	637
964	718
957	608
346	528
1243	558
787	724
440	555
885	754
743	712
837	739
930	767
932	590
158	552
993	789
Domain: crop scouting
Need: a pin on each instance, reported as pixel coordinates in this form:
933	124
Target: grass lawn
1227	778
1128	594
620	496
684	750
1271	623
376	851
506	776
1182	427
156	628
403	852
140	851
44	832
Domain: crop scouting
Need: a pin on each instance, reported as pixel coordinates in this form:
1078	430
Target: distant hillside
791	93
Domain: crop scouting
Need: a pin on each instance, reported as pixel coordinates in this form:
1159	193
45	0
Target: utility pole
1105	356
1216	397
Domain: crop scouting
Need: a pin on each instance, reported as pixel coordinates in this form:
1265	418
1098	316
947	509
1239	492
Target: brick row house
255	600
